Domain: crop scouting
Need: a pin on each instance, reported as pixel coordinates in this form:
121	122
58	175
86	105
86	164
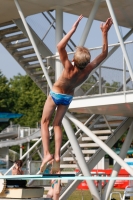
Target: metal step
37	73
24	52
14	38
64	166
19	45
101	132
112	118
6	23
71	158
9	30
105	125
91	151
28	59
90	139
88	145
33	66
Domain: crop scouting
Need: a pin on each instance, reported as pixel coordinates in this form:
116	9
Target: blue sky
10	67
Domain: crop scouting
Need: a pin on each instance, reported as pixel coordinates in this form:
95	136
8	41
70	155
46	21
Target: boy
17	169
63	89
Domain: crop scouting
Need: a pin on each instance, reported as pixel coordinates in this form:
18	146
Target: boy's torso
69	80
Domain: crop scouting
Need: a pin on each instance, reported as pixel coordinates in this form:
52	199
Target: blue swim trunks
61	99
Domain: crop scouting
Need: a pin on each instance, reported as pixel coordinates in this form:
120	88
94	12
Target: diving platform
114	104
122	9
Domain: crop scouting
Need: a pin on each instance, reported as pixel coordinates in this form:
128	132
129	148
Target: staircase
89	148
19	46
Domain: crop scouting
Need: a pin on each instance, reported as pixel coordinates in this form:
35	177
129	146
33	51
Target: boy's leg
48	110
50	193
56	192
61	110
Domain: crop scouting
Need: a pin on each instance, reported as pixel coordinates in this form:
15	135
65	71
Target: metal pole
124	75
59	35
33	43
117	167
100	143
100	81
89	23
80	157
119	37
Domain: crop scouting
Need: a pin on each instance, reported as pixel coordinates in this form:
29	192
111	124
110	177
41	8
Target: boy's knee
56	125
44	121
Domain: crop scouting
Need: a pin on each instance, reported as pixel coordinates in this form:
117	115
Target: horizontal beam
66	177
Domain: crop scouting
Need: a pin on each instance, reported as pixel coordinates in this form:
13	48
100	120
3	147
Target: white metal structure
118	103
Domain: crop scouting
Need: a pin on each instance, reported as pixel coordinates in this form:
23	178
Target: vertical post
59	35
21	150
80	157
119	37
33	43
117	167
28	147
124	75
100	81
89	23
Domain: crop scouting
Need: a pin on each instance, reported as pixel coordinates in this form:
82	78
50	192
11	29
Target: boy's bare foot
44	163
55	167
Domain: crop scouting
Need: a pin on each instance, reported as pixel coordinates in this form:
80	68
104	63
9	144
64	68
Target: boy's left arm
62	44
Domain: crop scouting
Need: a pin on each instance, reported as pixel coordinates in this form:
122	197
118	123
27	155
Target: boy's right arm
104	28
62	44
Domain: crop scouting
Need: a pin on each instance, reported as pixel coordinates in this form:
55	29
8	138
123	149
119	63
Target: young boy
62	91
17	169
54	191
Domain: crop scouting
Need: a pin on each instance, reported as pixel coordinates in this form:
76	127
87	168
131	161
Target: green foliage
5	98
112	87
28	100
5	94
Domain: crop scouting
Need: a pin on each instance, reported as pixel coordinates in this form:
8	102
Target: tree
6	102
5	94
28	100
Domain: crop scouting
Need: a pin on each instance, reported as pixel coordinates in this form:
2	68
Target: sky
10	67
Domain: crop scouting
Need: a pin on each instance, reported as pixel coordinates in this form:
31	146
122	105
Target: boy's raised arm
104	28
62	44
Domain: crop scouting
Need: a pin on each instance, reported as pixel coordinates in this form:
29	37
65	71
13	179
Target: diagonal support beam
101	144
119	37
33	42
80	158
123	152
89	23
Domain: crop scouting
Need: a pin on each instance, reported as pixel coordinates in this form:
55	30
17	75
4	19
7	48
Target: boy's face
16	166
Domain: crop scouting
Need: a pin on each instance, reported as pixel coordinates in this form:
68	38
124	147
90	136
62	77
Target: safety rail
11	128
106	78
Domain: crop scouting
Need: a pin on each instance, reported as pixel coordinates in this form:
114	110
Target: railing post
124	74
120	38
100	82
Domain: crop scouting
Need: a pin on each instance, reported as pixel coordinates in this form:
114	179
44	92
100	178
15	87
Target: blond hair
81	57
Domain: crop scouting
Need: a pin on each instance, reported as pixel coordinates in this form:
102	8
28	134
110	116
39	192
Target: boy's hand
106	26
77	22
